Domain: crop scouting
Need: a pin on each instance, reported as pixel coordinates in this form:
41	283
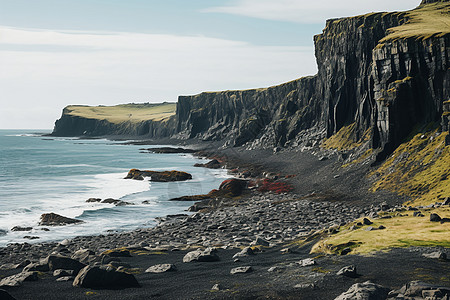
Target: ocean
41	174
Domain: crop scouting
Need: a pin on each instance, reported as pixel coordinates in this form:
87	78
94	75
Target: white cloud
44	70
306	11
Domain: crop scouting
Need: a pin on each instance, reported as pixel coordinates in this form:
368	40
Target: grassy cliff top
426	21
124	112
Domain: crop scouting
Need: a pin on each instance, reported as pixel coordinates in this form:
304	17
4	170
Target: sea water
40	174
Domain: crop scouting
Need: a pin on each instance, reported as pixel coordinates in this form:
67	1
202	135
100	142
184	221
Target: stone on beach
241	270
213	164
207	255
348	271
365	290
56	262
18	279
84	256
52	219
161	268
104	277
247	251
18	228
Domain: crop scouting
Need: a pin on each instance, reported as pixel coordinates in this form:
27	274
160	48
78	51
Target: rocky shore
253	246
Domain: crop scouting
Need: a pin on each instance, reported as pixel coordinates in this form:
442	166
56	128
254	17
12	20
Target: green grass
426	21
401	231
134	113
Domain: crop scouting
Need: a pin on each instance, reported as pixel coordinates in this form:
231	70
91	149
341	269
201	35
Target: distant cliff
153	120
382	73
380	76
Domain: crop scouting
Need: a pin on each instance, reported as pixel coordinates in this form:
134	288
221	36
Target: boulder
213	164
18	279
435	218
207	255
18	228
241	270
84	256
162	268
164	176
367	221
365	290
348	271
247	251
418	289
56	262
4	295
233	186
104	277
52	219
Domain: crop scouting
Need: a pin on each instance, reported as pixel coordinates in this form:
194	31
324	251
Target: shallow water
45	174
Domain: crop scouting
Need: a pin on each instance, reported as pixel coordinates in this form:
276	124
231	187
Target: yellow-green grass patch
134	113
423	22
345	139
419	168
401	231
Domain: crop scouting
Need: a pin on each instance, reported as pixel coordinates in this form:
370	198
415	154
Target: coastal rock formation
152	120
52	219
376	79
164	176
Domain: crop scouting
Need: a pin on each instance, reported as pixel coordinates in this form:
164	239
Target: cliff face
385	86
151	120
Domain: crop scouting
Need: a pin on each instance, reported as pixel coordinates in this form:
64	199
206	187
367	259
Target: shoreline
271	222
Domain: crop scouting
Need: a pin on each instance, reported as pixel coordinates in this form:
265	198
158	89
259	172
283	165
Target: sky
55	53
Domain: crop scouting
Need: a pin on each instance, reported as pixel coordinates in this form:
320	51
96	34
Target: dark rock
162	268
346	251
90	200
18	279
445	220
418	214
170	150
348	271
4	295
116	202
3	232
233	186
52	219
213	164
241	270
104	277
56	262
18	228
207	255
435	218
367	221
41	266
164	176
31	237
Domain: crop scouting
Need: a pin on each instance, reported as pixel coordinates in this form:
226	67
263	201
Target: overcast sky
59	52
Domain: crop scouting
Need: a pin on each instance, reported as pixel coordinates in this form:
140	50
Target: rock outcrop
164	176
52	219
